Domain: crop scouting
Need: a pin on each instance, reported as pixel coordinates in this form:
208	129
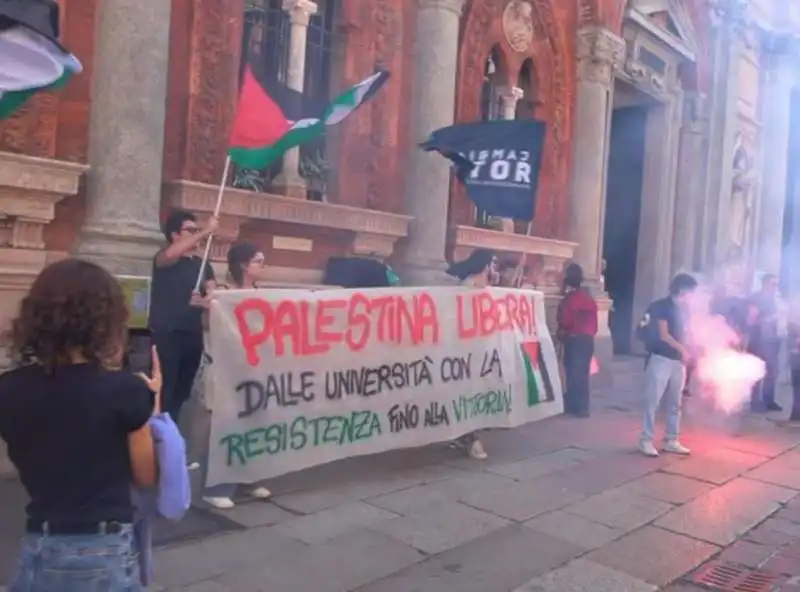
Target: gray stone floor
562	505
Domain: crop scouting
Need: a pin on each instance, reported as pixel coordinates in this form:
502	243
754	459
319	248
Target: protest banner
301	378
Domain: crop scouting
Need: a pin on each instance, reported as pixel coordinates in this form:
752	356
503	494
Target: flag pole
217	208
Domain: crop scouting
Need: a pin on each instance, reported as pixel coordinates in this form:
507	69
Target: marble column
300	12
690	183
599	51
776	114
433	106
126	135
509	97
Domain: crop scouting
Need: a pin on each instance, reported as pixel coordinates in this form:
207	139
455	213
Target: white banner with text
301	378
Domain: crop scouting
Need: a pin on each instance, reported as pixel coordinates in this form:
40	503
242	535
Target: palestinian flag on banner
32	58
264	127
539	385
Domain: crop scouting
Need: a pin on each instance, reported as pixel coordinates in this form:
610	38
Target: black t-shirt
170	293
67	435
666	310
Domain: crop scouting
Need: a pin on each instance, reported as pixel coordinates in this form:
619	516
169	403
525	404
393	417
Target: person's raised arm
185	244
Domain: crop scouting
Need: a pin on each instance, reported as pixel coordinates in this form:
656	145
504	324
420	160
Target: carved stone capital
300	11
510	96
454	6
599	52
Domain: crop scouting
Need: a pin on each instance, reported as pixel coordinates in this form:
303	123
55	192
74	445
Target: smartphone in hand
139	357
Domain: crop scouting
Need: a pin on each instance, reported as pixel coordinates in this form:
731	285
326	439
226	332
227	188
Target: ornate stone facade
574	53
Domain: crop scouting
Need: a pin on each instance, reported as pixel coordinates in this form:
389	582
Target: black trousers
578	352
763	392
180	353
795	416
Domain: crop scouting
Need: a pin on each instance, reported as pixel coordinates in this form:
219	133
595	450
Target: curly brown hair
73	307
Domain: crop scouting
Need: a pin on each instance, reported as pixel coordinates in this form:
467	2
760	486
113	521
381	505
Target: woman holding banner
478	270
245	268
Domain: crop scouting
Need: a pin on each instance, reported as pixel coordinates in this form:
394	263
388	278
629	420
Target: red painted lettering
251	340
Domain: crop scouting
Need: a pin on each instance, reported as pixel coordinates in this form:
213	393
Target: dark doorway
790	275
623	208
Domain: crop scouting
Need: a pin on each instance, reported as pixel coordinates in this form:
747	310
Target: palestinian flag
539	386
264	129
32	58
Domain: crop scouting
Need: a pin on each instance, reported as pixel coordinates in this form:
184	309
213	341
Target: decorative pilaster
300	12
775	115
599	52
434	84
690	183
729	34
126	135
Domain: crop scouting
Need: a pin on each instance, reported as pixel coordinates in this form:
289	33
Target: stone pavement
562	505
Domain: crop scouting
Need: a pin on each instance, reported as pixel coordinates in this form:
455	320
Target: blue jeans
663	377
78	563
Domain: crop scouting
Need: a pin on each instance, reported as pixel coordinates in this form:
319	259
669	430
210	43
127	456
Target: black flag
498	161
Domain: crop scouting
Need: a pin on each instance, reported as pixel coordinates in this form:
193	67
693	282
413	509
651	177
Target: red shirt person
577	326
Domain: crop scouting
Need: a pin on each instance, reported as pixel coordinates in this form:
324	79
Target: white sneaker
476	451
193	466
676	447
646	447
221	503
261	493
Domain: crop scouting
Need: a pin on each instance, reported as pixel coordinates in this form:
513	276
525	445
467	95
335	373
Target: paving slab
774	532
667	487
189	564
341	564
748	553
574	529
436	528
607	472
582	575
781	471
538	466
716	466
723	514
654	555
520	501
331	523
620	509
255	513
498	562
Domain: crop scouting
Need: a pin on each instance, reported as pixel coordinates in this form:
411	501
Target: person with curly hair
76	428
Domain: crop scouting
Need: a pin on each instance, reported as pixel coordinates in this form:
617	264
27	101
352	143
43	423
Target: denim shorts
78	563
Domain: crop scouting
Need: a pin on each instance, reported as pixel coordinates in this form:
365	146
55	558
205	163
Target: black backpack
647	329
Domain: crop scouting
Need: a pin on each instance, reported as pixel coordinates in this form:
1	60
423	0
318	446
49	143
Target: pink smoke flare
723	372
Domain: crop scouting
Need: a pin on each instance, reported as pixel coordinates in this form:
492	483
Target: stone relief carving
742	197
518	25
599	52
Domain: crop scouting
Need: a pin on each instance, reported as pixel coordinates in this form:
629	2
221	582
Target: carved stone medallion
518	24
